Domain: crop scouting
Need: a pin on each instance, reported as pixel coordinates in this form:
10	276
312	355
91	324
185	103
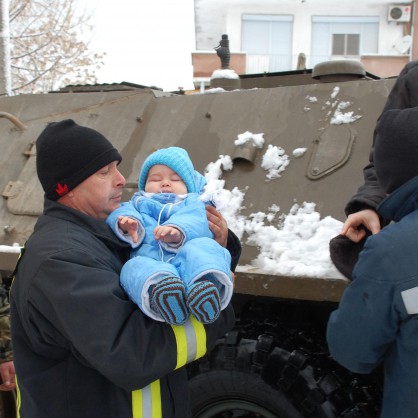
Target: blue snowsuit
198	255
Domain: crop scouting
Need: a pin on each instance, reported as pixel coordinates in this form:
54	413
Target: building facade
277	35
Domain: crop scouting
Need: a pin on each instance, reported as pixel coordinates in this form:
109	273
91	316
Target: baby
176	268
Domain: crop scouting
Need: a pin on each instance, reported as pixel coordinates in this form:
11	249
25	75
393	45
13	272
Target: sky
146	42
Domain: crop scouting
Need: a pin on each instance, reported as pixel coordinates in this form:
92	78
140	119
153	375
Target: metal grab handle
14	120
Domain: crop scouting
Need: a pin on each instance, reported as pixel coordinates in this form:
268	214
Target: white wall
216	17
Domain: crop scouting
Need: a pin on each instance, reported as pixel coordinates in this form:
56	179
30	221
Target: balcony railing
258	63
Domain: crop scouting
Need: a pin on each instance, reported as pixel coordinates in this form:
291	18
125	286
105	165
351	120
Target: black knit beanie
395	152
67	154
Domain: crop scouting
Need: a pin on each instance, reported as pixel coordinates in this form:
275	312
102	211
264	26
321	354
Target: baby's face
162	179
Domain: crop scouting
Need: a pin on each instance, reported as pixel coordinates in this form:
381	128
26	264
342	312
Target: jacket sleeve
194	345
234	247
368	195
126	209
105	330
404	94
365	325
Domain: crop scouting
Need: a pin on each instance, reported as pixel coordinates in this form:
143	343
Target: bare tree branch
47	48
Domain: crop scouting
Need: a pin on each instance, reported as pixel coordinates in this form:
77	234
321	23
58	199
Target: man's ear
66	198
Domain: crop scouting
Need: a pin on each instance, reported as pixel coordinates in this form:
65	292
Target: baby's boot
203	301
168	297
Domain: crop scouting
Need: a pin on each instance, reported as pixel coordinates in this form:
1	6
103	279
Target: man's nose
120	180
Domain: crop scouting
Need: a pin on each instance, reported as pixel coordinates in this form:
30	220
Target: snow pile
225	74
257	140
293	244
15	248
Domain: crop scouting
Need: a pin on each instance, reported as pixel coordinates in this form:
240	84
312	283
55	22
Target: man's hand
129	226
367	218
7	373
217	225
167	234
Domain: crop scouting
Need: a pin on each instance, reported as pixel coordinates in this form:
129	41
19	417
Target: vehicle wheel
233	394
282	371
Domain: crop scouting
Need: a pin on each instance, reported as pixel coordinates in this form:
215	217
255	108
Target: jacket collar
401	202
95	226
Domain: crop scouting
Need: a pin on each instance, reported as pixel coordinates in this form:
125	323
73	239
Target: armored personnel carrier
282	153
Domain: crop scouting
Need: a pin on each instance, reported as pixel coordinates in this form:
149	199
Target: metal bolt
8	229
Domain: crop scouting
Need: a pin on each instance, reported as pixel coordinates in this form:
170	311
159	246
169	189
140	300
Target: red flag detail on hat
62	189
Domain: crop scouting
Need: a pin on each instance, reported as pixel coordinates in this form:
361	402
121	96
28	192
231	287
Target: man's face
99	194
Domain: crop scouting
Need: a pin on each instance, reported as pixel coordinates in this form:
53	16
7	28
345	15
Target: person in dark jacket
377	318
362	217
81	348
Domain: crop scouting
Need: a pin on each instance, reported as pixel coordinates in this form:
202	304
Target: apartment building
278	35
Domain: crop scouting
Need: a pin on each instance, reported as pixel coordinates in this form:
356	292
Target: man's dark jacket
82	349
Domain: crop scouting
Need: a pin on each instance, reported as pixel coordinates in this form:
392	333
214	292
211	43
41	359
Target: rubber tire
241	375
277	358
234	394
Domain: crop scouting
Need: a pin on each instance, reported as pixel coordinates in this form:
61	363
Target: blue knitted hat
177	159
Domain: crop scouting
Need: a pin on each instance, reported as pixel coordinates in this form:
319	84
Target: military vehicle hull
275	362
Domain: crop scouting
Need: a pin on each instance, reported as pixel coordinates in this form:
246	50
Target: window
267	40
345	44
342	36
